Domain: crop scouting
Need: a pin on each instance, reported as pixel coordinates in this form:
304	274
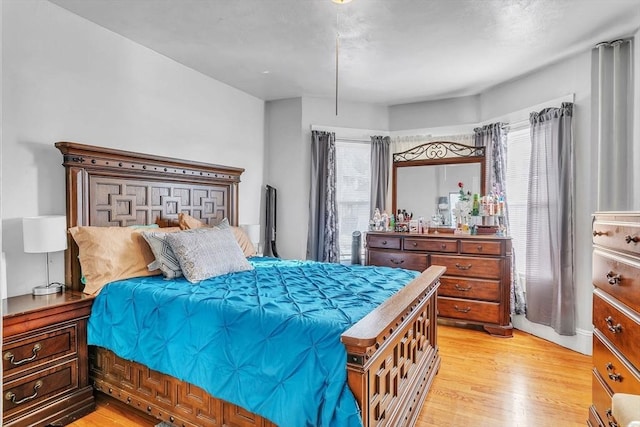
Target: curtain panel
494	138
322	238
380	171
612	88
550	227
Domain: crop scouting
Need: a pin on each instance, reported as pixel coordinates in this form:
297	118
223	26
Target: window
353	183
519	154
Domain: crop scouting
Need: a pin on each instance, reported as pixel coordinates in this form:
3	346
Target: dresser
45	373
616	311
475	289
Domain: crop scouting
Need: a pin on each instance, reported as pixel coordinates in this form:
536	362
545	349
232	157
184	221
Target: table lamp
253	232
45	234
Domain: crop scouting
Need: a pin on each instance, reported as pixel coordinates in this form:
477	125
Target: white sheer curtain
613	117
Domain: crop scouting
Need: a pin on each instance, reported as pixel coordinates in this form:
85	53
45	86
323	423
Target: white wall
65	78
289	153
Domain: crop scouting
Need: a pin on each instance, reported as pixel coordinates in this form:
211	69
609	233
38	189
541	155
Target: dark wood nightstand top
25	312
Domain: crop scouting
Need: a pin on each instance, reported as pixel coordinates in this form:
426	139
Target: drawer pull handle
610	420
10	356
463	267
612	373
12	396
395	261
630	239
613	328
460	288
462	310
479	247
613	278
599	233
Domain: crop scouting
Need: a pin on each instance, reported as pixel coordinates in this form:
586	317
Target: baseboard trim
580	342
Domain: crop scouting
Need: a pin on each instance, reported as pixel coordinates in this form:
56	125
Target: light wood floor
483	381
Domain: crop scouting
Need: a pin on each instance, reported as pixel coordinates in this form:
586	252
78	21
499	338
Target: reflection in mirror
424	190
426	177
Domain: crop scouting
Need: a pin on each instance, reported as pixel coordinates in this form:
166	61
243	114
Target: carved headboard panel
109	187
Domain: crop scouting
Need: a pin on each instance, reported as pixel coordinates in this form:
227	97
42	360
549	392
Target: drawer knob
462	310
613	328
460	288
613	278
443	246
612	373
415	244
12	396
630	239
479	247
463	267
396	261
599	233
384	242
10	356
610	420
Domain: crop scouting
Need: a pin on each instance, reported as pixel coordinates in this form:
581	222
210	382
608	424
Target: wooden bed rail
392	354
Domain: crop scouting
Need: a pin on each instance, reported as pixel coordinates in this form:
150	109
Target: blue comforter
267	339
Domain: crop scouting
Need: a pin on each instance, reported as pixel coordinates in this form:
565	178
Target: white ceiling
391	51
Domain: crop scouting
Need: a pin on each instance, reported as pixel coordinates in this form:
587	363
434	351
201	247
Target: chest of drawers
616	311
476	286
45	373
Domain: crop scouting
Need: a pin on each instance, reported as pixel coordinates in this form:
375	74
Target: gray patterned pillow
165	260
207	252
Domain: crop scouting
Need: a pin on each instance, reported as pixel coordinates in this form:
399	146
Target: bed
391	352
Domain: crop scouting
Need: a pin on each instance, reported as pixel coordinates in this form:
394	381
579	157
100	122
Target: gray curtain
550	225
494	138
612	92
322	240
380	164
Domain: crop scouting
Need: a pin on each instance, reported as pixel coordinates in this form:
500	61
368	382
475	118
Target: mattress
267	339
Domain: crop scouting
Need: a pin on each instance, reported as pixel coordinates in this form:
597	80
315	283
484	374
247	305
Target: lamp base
52	288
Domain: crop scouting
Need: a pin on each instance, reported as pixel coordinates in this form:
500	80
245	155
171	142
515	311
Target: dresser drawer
618	276
33	350
486	290
480	247
434	245
618	324
618	236
464	309
27	392
477	267
410	261
619	376
383	242
601	397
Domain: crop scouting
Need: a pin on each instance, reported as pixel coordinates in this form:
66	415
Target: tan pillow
187	222
108	254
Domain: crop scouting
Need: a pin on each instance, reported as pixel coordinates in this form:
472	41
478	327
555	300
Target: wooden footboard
392	359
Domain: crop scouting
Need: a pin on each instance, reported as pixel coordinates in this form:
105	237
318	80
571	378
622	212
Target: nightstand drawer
36	349
28	391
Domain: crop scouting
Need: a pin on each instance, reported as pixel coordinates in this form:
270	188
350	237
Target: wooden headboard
109	187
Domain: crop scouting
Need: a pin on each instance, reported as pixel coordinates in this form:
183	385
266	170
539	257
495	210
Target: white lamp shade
253	232
44	233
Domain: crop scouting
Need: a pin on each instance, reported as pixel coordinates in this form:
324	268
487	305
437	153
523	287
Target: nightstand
45	371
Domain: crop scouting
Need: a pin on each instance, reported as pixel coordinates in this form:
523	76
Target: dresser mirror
426	179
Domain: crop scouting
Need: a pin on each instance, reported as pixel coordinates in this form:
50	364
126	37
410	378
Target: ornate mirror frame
437	153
